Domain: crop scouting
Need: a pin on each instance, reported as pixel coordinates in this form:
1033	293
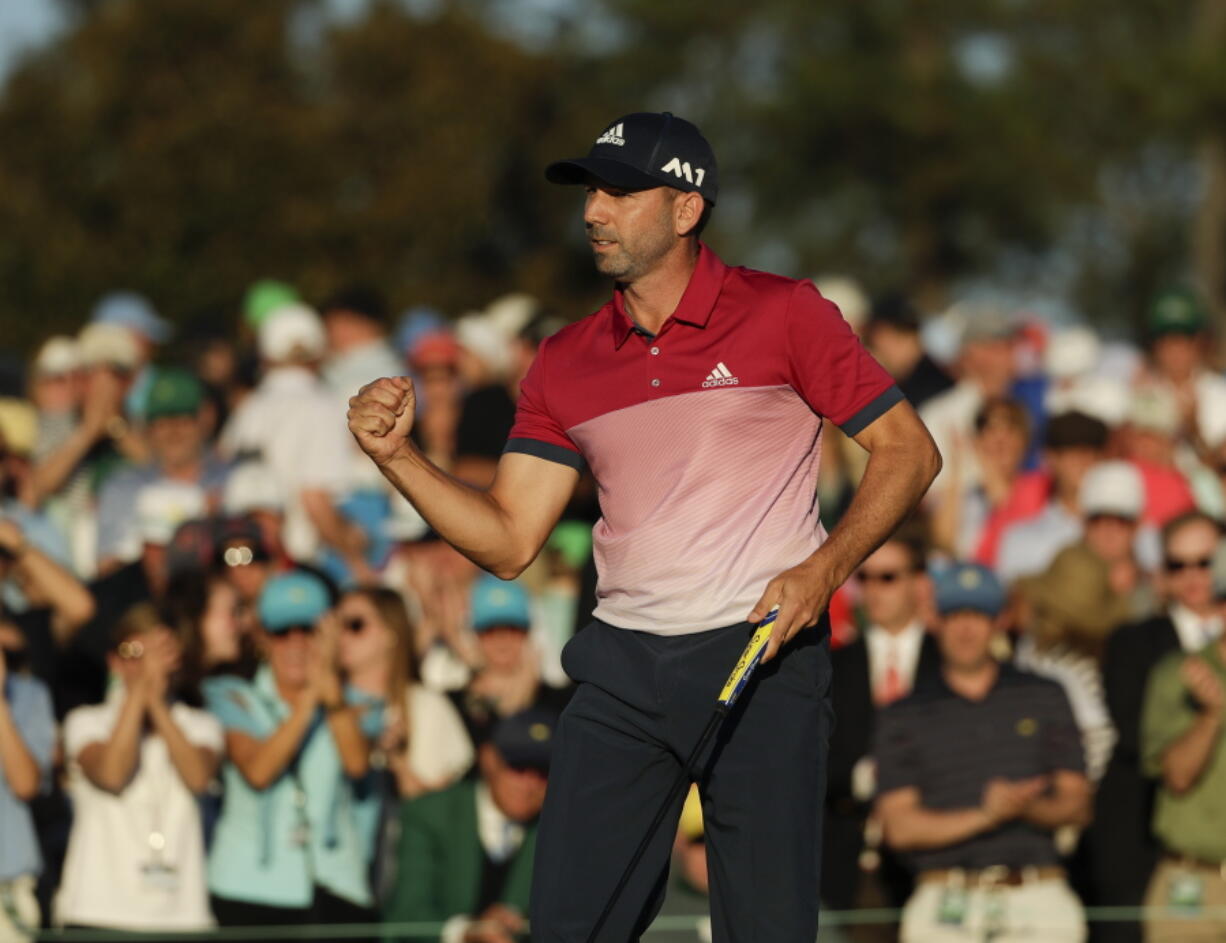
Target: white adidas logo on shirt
720	376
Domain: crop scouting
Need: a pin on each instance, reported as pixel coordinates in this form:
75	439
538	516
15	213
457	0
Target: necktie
890	688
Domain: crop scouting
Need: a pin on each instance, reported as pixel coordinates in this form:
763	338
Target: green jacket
441	859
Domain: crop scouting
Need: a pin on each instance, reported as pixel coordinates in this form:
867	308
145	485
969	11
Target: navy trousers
641	704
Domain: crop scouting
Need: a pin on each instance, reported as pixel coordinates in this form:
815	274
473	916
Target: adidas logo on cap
615	135
720	376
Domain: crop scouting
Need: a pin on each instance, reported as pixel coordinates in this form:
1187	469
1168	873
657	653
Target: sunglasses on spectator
885	577
353	624
1178	566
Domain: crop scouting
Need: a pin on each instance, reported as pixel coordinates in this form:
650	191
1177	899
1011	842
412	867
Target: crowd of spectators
244	684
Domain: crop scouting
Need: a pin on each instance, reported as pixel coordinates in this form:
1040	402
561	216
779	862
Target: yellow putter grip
748	661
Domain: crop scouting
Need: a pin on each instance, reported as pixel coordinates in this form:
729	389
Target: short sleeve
830	368
896	752
1166	714
84	726
1062	744
231	702
536	431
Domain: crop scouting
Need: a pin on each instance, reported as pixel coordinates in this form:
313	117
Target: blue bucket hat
294	598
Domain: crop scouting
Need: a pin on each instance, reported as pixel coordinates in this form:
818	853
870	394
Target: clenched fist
381	417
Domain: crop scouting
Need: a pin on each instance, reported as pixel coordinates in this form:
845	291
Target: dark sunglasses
883	576
354	624
1178	566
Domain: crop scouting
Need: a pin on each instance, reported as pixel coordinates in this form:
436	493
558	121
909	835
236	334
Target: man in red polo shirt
697	397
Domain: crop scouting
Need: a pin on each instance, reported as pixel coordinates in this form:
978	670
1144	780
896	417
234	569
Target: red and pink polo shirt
704	440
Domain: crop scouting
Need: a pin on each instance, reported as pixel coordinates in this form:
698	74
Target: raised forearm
194	764
20	767
469	519
49	475
67	596
111	764
262	761
1186	759
353	748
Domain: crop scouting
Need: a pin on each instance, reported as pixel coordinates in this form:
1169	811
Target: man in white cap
293	423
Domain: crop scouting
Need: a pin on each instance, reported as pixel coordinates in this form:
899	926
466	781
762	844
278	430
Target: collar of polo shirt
695	306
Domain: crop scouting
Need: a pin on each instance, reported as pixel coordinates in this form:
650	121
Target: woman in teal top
286	848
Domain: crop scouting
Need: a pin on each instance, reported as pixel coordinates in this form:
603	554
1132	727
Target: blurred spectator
134	314
58	603
202	609
1178	346
1073	608
508	677
1150	438
73	463
498	347
27	743
355	320
424	741
177	435
57	388
466	852
969	521
1121	847
434	360
975	773
137	763
1112	503
286	849
985	370
246	562
877	669
1184	747
893	337
265	296
296	427
1073	444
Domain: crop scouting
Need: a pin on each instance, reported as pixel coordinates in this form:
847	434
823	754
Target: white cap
1070	353
1102	397
292	332
251	486
58	355
108	345
846	295
163	505
1113	487
1154	409
477	334
510	313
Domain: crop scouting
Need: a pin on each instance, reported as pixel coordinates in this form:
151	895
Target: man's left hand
802	595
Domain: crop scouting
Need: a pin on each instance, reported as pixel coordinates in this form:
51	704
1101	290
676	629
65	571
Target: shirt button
655	350
655	382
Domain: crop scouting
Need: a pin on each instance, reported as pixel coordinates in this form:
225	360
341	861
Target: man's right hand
498	924
1204	685
381	417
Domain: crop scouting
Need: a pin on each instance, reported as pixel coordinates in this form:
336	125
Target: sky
23	24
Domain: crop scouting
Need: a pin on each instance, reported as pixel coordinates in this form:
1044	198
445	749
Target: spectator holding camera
287	848
137	763
27	742
975	773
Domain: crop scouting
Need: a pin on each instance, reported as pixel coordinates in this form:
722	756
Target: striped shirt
949	747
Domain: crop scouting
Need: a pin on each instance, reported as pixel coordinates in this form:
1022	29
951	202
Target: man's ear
687	211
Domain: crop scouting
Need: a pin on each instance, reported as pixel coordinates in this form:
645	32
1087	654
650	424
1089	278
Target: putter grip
747	662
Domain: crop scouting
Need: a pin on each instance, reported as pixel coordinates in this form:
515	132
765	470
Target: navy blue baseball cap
969	586
645	150
525	740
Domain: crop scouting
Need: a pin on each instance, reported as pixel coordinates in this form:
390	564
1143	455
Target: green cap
264	297
573	542
173	392
1176	311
